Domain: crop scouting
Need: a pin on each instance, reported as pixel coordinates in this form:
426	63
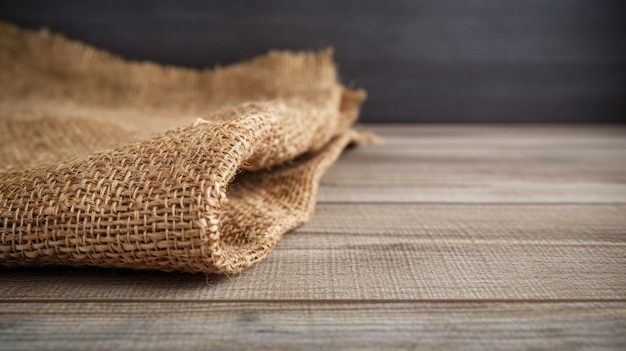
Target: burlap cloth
111	163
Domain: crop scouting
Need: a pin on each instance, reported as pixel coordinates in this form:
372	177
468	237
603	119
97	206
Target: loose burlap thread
110	163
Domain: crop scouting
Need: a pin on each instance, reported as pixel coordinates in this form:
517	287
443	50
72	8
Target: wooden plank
403	270
432	252
538	223
476	192
415	167
313	325
413	174
544	137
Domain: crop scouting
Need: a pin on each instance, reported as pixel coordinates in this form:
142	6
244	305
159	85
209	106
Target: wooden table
477	237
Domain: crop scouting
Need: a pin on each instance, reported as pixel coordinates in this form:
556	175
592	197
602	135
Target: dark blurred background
420	60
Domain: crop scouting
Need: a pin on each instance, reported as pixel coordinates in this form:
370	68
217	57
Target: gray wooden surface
454	237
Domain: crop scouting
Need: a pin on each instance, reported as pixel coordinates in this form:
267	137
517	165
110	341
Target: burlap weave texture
111	163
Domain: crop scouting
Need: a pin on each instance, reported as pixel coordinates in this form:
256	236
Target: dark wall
420	60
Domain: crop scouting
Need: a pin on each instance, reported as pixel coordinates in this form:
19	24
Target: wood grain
522	137
313	325
444	237
483	164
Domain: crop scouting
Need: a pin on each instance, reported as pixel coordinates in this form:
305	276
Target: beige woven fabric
112	163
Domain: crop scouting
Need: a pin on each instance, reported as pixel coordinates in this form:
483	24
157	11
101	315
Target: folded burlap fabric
111	163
